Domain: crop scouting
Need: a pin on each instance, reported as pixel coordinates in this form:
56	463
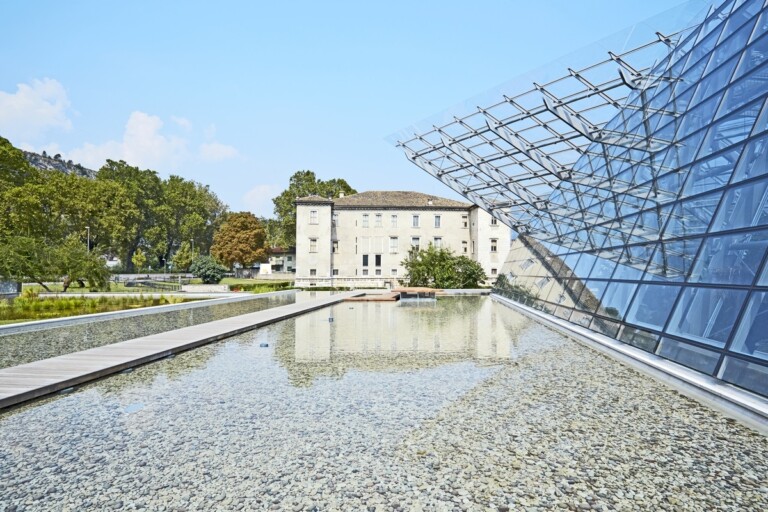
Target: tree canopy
440	268
50	219
302	184
241	239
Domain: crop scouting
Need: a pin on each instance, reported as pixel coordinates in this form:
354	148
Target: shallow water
461	404
25	347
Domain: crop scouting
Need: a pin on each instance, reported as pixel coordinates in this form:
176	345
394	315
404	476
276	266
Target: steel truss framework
622	170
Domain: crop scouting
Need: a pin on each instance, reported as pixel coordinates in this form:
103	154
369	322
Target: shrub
207	269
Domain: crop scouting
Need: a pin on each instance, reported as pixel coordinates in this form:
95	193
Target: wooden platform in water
32	380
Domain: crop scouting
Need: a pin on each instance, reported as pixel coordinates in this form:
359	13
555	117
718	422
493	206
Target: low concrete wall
205	288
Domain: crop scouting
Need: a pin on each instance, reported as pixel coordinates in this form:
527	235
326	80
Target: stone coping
51	323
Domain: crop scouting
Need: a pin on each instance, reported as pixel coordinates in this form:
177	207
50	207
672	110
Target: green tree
302	184
183	258
144	190
138	259
440	268
207	269
241	239
77	264
14	168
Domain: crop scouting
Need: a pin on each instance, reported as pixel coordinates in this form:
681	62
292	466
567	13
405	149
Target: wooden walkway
32	380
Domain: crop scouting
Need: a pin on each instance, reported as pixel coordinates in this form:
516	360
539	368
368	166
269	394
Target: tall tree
302	184
144	188
241	239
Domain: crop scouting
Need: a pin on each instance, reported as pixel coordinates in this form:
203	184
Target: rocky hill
44	161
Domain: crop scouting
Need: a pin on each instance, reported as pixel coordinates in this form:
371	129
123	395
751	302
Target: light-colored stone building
362	239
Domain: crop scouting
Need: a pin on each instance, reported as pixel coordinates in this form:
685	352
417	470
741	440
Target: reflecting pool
25	347
460	404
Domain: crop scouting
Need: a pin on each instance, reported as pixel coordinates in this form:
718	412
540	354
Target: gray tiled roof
313	199
399	199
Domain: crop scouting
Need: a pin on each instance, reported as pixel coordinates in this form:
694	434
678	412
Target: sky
239	95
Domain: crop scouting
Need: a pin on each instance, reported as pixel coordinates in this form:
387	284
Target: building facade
639	187
362	239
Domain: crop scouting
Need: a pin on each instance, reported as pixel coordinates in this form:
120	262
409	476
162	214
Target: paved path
27	381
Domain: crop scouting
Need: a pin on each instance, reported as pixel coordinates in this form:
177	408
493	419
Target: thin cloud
33	110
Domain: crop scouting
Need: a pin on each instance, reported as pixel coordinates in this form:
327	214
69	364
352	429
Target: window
393	220
365	260
438	220
313	216
365	220
393	272
494	272
494	244
415	221
335	272
464	221
290	258
393	245
313	272
438	242
313	245
541	283
378	271
464	247
494	221
378	220
365	271
473	247
335	246
527	263
415	242
335	219
377	260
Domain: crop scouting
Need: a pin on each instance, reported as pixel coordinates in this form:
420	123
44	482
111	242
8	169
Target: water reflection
25	347
397	336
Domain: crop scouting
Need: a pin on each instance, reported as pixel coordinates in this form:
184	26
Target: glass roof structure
639	189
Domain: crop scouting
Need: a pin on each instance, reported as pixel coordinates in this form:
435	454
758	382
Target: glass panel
730	130
584	266
689	355
692	217
606	327
743	206
747	375
707	314
762	123
732	259
639	338
752	335
672	260
744	91
652	305
754	159
615	300
711	173
581	318
590	297
603	269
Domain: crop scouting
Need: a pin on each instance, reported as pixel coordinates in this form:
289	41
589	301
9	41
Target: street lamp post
88	229
193	245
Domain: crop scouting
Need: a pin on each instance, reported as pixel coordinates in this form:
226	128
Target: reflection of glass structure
639	187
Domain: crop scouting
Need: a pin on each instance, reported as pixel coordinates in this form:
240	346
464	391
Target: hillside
45	162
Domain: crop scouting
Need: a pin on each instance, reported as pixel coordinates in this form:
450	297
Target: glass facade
639	189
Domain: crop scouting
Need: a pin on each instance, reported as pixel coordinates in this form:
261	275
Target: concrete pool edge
733	402
52	323
29	381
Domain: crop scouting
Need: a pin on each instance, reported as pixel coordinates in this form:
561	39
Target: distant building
281	259
362	239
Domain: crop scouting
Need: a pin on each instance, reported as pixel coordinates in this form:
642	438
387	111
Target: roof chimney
429	202
341	194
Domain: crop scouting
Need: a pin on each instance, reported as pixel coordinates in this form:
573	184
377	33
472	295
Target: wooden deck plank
39	378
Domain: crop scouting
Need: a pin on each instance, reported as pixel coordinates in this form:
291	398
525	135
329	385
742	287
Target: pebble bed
223	427
26	347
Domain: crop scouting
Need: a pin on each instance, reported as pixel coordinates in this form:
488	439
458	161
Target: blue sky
239	95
